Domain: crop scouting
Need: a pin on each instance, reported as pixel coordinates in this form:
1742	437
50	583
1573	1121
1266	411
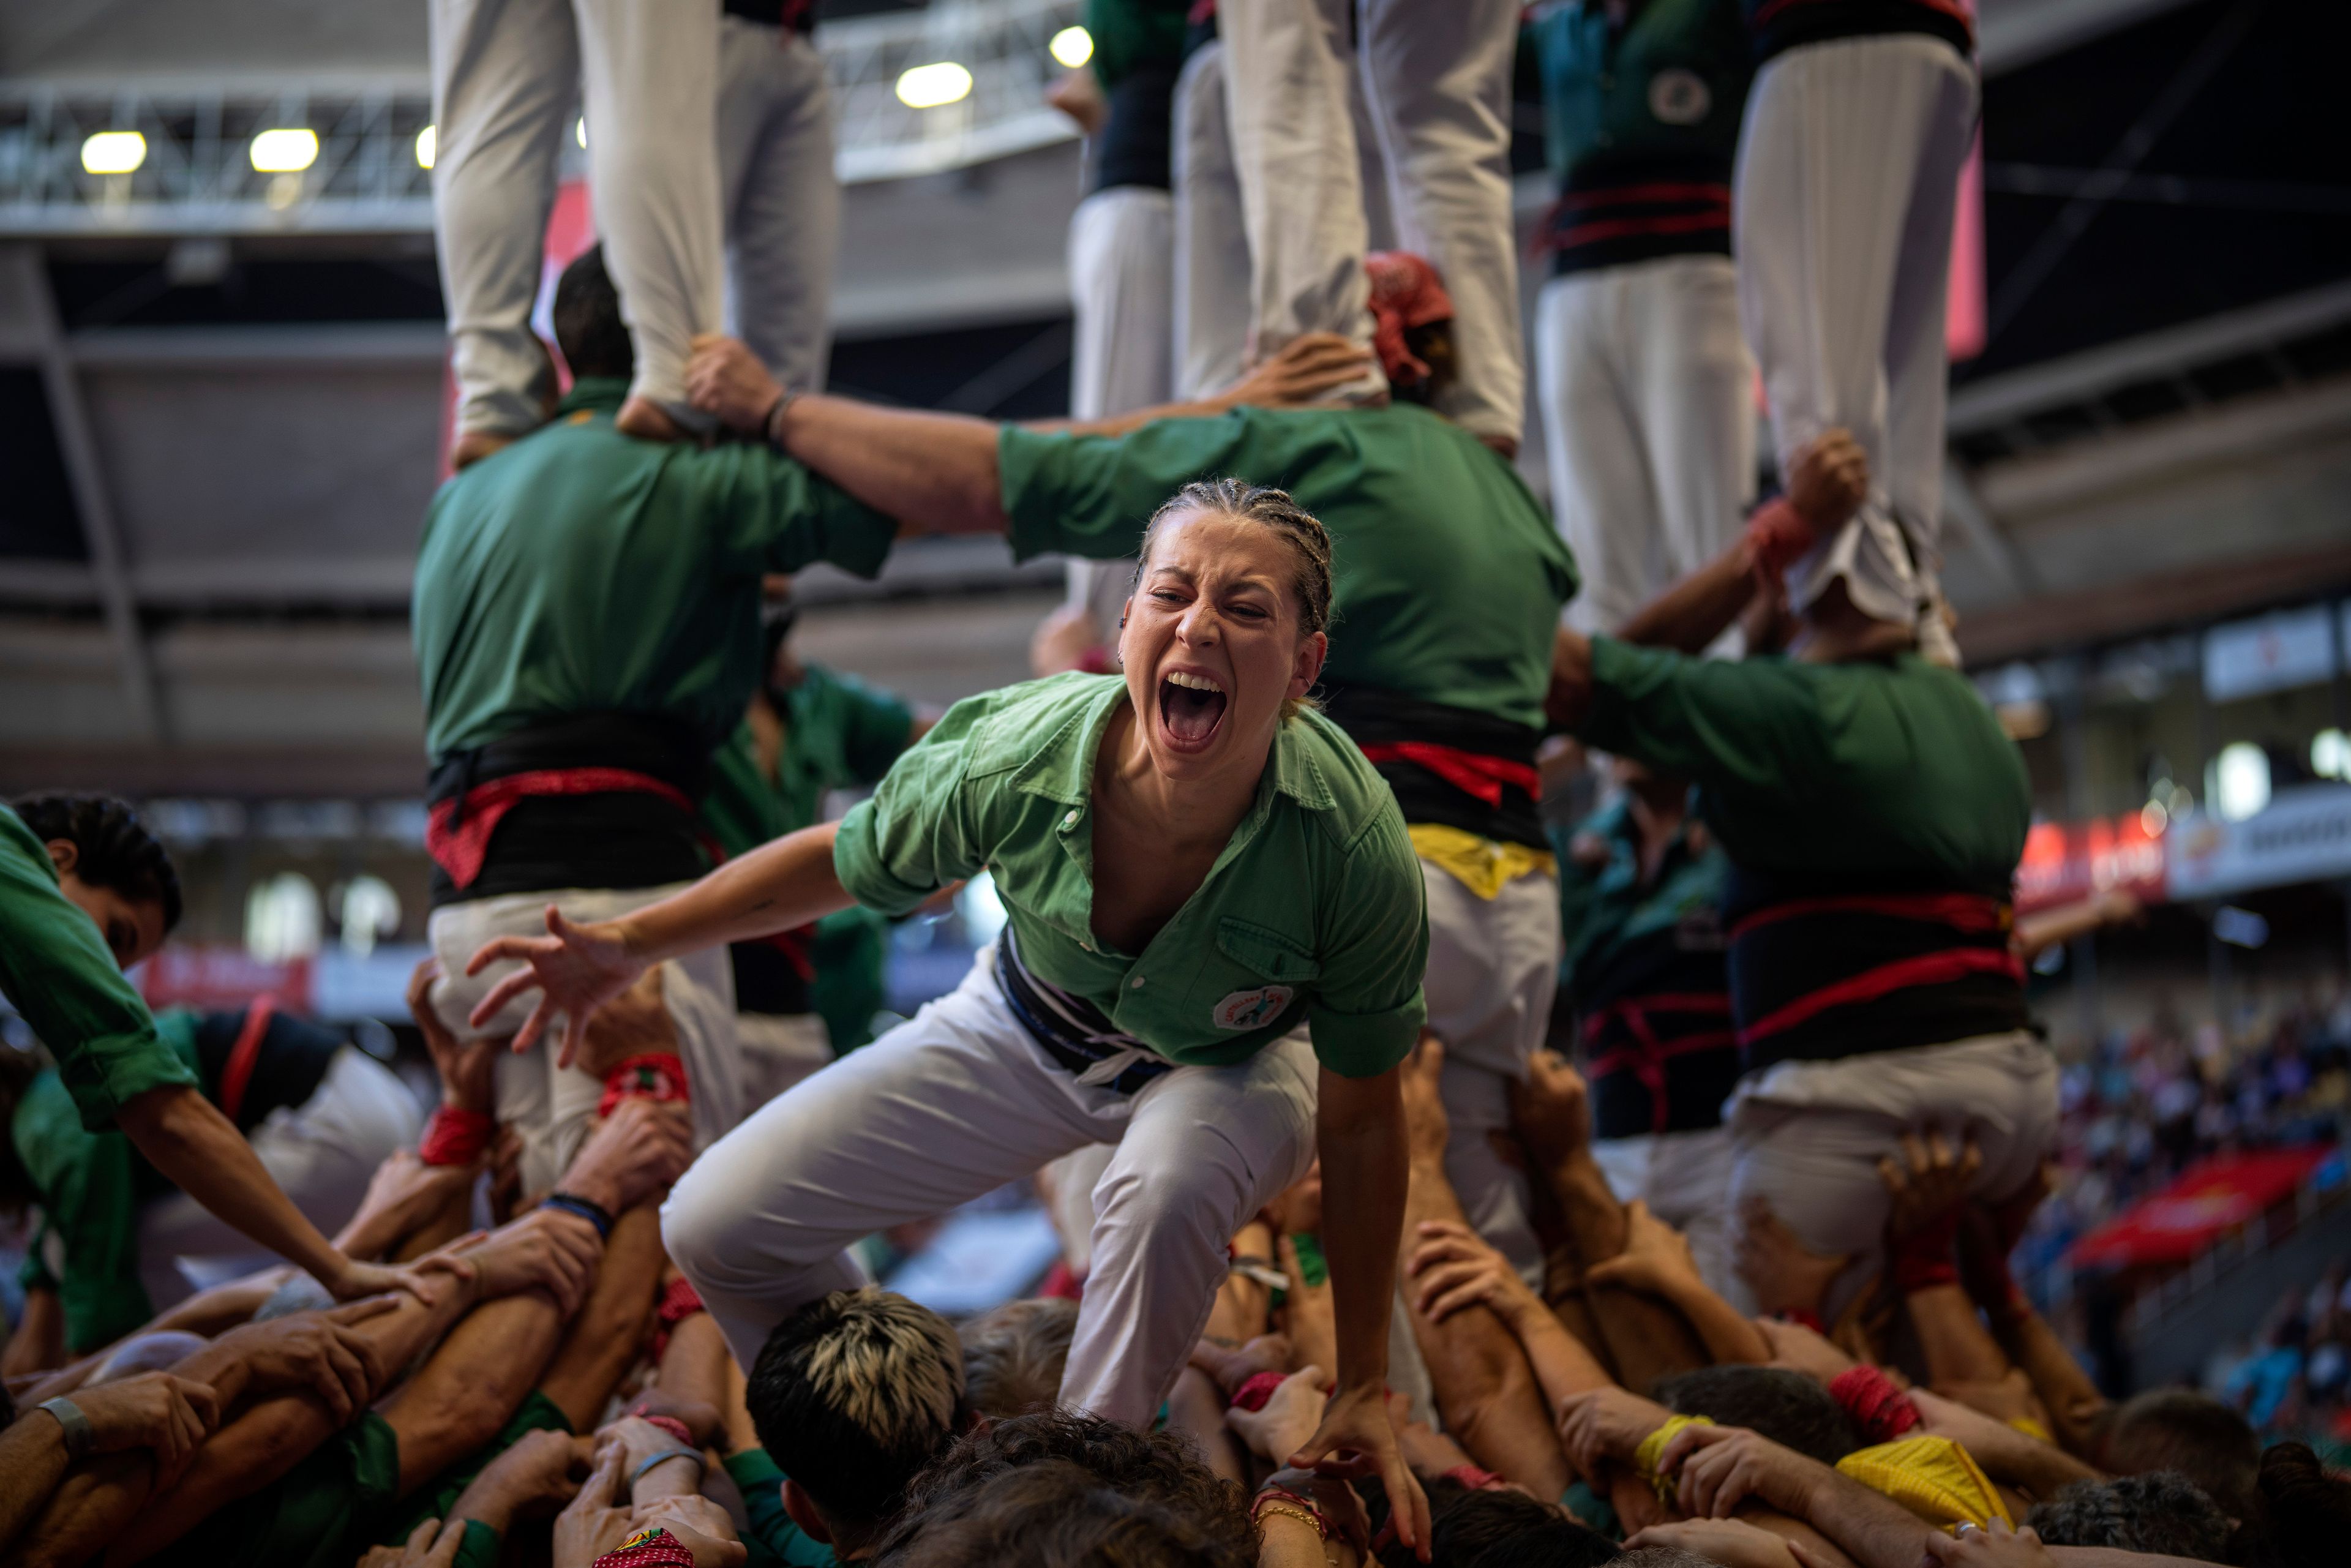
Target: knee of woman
1150	1197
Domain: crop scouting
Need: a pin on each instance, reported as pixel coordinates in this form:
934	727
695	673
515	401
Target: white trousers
1648	411
1438	81
1212	251
1806	1136
781	198
1493	964
550	1107
1848	167
505	76
1685	1178
779	1051
953	1104
322	1154
1121	354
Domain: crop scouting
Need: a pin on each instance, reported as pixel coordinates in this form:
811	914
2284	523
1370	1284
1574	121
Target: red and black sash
1658	1047
1782	25
1449	766
1620	214
592	801
1826	972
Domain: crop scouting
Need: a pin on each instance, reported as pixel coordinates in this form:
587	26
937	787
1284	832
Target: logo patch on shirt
1253	1008
1679	97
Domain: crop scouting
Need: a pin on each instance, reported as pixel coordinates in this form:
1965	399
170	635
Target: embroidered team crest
1679	97
1252	1009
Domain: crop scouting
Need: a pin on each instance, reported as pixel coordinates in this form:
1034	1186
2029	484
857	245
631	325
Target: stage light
113	152
935	86
285	151
2240	785
428	142
1073	46
579	132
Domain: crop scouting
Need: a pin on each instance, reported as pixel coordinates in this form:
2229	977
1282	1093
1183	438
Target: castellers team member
1212	957
1447	590
1874	812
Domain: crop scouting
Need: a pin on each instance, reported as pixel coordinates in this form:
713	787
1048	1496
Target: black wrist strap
595	1214
772	425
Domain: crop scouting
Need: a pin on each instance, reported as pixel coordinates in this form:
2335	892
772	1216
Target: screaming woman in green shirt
1212	958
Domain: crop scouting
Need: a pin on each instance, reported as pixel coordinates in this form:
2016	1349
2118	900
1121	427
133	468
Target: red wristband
1882	1411
674	1427
679	1302
1779	535
455	1137
1252	1395
660	1078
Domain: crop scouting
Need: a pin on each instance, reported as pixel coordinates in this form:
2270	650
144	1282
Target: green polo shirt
1804	769
1132	33
56	968
1447	577
581	570
772	1539
1604	110
1311	913
1604	908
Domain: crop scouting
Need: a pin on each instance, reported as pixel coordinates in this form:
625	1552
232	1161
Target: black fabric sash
1373	718
1070	1030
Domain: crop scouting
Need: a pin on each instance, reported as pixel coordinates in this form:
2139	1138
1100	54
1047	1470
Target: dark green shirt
1313	913
773	1539
1870	769
1447	575
1605	104
56	968
580	570
839	734
1604	908
1131	33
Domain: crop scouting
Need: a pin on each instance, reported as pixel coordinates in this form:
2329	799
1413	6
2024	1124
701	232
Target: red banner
2210	1198
221	978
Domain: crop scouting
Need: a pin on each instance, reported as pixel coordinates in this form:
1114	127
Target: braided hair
1309	542
116	851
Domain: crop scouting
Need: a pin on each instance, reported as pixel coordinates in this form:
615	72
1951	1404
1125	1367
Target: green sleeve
1753	725
874	725
56	968
918	831
1367	1011
776	515
772	1538
481	1548
741	809
1092	494
90	1199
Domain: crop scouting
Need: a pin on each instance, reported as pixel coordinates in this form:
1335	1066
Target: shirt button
1136	983
1071	821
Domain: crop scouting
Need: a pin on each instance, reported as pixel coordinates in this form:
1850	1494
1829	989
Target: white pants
548	1106
1438	81
953	1104
322	1154
505	76
1122	294
1848	166
1493	964
781	198
1648	412
1685	1178
1806	1136
779	1051
1212	252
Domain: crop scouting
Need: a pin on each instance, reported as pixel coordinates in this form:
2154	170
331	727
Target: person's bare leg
1647	1339
1196	1410
1486	1390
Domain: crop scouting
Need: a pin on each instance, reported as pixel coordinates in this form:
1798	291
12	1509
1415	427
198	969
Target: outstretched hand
575	968
1356	1439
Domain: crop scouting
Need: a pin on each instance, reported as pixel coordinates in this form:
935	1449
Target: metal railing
195	175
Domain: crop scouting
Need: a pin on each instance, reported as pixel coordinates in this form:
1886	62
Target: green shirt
1447	575
1605	107
839	734
580	570
1313	913
1131	33
56	968
1860	768
1604	908
337	1501
773	1538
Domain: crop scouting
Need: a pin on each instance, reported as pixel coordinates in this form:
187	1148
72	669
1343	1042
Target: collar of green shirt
596	394
1062	768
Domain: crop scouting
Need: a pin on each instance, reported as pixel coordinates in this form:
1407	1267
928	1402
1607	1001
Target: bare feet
1229	1369
1552	1109
647	420
1785	1278
476	445
1426	1129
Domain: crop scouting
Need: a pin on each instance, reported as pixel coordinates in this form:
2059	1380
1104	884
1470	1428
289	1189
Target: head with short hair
852	1395
588	327
1155	1468
1013	1356
1503	1528
2308	1507
1786	1407
2161	1513
110	866
1232	595
2190	1432
1055	1514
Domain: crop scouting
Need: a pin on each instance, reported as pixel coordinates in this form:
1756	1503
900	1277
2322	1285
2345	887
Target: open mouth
1191	706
